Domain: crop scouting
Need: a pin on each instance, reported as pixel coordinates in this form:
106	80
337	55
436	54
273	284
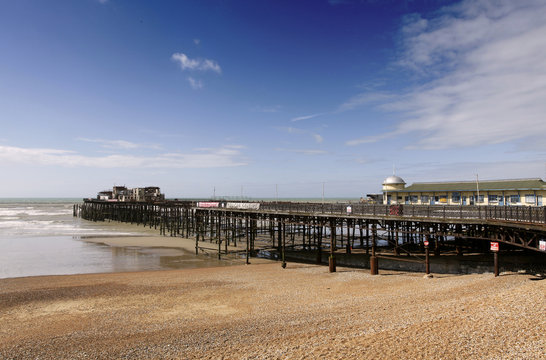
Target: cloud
365	99
196	41
119	144
371	139
303	151
482	76
306	117
196	84
196	64
292	130
227	156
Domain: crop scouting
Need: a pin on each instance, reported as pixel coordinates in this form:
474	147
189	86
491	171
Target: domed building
393	184
528	192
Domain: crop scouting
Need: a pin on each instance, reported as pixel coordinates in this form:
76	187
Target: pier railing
517	214
524	214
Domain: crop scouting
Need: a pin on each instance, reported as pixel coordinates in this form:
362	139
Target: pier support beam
374	263
331	258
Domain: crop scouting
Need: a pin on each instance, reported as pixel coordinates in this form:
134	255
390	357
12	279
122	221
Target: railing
527	214
523	214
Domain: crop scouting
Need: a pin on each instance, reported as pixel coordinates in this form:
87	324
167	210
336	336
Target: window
514	199
529	198
456	197
414	198
493	198
480	198
424	199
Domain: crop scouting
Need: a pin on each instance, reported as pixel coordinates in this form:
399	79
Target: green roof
486	185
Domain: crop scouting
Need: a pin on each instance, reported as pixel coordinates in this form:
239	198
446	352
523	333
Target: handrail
523	214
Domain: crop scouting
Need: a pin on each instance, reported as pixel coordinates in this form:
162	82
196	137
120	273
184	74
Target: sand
261	311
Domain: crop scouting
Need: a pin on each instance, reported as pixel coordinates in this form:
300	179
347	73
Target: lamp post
323	193
477	190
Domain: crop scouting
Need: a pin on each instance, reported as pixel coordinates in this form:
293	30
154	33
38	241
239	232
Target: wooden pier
319	231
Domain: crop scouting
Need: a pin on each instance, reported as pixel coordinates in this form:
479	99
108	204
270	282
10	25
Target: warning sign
542	245
426	242
494	246
349	209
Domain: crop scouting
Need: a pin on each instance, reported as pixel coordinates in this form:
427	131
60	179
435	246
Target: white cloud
292	130
306	117
196	41
119	144
371	139
196	64
226	156
365	99
196	84
318	138
484	71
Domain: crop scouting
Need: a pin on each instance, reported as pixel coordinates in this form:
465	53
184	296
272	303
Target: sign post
427	263
495	249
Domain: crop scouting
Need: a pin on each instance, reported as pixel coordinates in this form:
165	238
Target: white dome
394	180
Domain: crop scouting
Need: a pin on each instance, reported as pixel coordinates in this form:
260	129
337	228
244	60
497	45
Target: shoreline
264	311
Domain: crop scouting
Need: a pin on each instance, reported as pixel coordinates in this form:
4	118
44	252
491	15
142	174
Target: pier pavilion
526	192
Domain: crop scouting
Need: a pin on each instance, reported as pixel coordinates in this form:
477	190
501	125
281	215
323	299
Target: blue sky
257	96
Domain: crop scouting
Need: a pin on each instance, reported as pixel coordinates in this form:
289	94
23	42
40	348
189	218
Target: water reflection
135	258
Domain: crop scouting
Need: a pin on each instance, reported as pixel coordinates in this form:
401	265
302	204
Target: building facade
527	192
122	193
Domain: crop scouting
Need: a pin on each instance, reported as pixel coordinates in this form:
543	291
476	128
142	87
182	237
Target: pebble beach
261	311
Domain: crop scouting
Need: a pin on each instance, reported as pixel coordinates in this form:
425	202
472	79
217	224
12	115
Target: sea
41	237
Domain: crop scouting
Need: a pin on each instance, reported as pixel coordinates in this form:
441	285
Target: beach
261	311
41	237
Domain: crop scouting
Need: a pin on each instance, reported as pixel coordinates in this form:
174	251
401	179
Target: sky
268	98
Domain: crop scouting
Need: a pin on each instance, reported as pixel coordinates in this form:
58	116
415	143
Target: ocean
41	237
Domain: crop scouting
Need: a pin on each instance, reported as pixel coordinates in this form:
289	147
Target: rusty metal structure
328	230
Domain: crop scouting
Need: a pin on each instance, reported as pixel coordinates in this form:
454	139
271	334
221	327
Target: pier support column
331	258
319	245
496	263
247	243
396	240
374	263
283	244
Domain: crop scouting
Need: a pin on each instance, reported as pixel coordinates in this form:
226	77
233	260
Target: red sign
208	204
426	242
542	245
494	246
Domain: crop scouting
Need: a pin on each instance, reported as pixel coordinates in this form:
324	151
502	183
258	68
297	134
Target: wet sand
157	241
147	241
261	311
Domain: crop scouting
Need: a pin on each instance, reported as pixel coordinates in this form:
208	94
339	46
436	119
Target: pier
427	238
